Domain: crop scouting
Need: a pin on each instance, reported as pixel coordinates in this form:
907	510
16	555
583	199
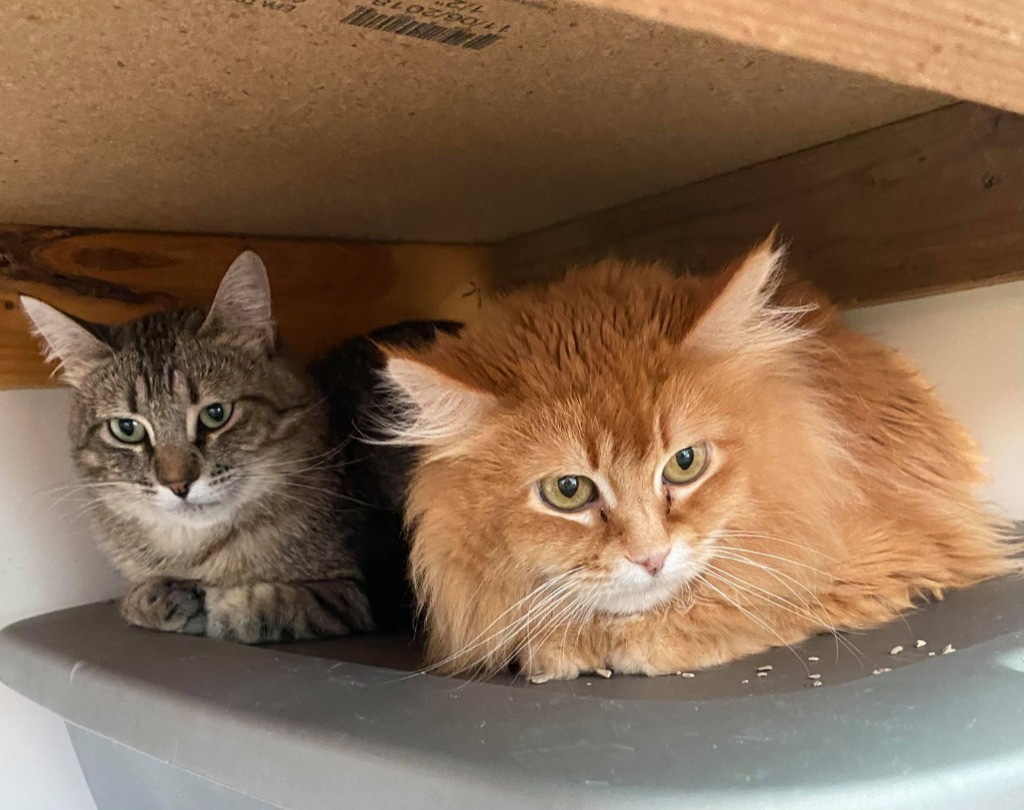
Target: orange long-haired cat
632	471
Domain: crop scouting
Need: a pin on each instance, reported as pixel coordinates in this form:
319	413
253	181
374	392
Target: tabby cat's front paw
171	605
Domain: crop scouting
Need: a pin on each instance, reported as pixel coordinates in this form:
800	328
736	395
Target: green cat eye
216	415
686	465
129	431
567	493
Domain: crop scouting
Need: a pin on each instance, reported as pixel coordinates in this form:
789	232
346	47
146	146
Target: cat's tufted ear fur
429	408
65	340
743	316
241	307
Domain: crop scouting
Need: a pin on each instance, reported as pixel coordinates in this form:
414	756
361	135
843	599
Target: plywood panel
322	291
293	118
972	50
922	206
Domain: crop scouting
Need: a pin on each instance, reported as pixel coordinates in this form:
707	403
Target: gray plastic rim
300	731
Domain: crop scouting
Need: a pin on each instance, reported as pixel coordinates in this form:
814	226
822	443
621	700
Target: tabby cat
633	471
237	497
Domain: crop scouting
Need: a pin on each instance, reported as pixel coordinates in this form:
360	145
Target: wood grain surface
931	204
322	291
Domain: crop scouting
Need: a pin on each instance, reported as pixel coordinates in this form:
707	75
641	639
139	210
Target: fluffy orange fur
837	493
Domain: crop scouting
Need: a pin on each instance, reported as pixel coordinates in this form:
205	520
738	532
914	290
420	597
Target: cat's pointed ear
430	408
242	304
76	350
742	315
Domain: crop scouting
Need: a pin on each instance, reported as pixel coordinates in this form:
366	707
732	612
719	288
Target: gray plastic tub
167	721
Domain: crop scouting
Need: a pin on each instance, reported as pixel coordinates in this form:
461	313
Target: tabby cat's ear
431	409
742	316
65	340
241	307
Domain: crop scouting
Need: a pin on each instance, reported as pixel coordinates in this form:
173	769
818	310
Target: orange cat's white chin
629	589
628	603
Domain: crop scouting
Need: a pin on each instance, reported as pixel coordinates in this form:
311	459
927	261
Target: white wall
48	560
970	344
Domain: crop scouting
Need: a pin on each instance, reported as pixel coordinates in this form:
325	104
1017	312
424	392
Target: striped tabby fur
268	527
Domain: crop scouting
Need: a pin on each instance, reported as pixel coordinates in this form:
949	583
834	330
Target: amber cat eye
567	493
686	465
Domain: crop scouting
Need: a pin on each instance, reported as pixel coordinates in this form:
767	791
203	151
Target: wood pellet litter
896	650
920	643
948	649
687	674
816	683
745	680
931	654
765	668
881	670
762	674
813	677
604	673
813	659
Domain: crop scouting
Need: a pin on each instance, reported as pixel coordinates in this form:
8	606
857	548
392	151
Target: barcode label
408	27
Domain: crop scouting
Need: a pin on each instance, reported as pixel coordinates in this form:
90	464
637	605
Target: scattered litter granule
931	654
816	683
813	659
813	677
745	680
604	673
762	674
687	674
896	650
948	649
765	668
881	670
920	643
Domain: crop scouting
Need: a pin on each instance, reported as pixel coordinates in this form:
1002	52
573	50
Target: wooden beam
323	291
930	204
970	50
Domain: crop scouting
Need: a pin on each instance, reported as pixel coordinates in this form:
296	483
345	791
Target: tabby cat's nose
177	468
652	563
179	488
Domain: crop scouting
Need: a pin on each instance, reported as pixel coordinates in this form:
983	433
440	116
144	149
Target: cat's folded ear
429	408
64	340
241	308
742	315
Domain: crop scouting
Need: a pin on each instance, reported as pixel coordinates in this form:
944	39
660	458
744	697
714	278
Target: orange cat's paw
544	677
635	665
652	671
541	666
551	671
568	674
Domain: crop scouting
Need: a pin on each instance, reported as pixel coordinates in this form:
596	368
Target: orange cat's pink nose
652	563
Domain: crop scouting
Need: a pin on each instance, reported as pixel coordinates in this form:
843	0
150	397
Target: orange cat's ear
742	315
430	408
